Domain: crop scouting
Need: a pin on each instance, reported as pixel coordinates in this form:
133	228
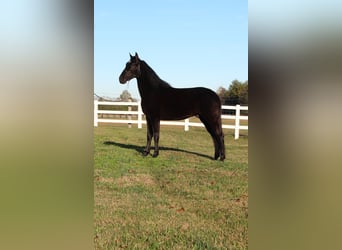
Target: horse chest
150	106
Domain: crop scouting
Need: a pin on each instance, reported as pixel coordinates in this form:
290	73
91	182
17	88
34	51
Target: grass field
180	200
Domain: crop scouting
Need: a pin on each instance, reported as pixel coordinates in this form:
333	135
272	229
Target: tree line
237	93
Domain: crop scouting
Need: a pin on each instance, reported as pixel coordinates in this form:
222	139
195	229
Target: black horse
160	101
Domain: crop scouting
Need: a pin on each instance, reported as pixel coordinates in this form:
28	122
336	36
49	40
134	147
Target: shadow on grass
140	149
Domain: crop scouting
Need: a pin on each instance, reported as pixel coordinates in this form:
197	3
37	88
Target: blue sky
188	43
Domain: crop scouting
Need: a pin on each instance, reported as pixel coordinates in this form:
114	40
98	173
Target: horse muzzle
122	79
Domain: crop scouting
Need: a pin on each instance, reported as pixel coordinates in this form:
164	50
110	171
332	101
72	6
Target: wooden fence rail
129	114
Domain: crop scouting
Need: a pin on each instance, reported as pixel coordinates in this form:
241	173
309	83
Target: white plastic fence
138	116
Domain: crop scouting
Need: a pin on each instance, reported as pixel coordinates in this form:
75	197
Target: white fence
138	114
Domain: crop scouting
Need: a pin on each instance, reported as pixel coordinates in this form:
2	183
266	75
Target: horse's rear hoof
145	153
222	157
155	154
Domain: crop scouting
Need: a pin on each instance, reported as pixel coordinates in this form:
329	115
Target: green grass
180	200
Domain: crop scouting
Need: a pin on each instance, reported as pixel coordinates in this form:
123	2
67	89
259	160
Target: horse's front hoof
155	154
145	153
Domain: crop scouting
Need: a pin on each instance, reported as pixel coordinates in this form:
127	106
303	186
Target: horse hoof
145	153
222	157
155	154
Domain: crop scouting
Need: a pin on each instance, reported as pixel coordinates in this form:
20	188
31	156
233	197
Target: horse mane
153	77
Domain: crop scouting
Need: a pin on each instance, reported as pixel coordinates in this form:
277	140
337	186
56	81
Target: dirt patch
130	180
104	179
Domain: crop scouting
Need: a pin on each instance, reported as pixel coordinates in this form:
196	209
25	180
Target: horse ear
130	56
136	56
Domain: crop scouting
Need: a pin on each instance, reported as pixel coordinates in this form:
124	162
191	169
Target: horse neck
149	81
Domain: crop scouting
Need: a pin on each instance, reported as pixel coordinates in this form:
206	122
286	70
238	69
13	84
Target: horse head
132	69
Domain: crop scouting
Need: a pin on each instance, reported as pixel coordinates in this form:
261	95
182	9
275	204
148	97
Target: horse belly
178	110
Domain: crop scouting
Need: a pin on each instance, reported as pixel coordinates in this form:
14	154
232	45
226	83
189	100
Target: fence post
237	122
186	124
96	108
139	115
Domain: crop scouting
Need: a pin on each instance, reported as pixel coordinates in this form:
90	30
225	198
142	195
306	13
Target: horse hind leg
221	152
220	138
222	146
214	136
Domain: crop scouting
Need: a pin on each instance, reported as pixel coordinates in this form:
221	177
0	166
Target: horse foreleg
156	128
149	137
